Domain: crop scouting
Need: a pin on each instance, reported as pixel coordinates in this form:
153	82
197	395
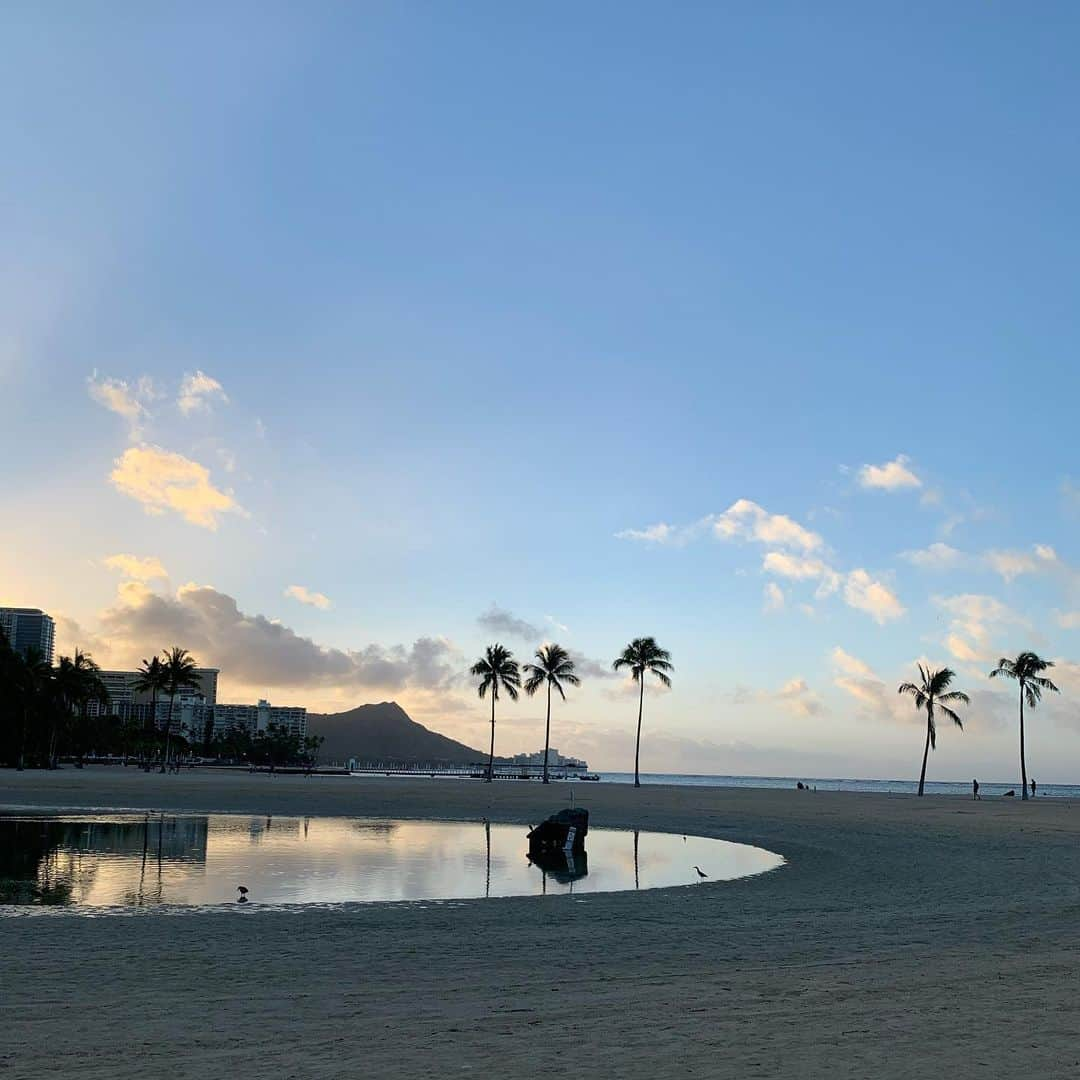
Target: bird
243	891
700	873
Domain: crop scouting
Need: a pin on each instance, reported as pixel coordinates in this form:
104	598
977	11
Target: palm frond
952	716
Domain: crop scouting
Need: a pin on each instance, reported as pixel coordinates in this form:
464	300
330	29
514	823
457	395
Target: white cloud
935	557
800	568
306	596
774	597
123	398
163	481
147	569
1011	564
892	476
198	391
1068	620
748	521
975	621
875	598
660	533
797	697
851	665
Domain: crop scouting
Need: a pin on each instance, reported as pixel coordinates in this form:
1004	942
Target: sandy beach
905	936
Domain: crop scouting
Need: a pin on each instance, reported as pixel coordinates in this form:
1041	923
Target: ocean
895	787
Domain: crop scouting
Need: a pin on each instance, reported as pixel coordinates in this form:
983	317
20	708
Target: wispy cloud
774	597
937	556
891	476
163	481
306	596
501	622
660	533
198	392
1012	564
865	593
126	399
976	620
145	569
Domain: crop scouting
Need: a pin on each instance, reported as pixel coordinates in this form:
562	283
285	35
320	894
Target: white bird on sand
700	872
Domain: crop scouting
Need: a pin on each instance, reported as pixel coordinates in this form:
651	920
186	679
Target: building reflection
50	861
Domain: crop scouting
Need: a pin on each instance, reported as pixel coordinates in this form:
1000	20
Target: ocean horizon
987	788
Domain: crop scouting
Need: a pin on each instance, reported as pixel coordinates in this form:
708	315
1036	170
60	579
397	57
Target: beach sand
905	937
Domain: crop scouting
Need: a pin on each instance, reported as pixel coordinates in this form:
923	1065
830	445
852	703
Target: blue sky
458	296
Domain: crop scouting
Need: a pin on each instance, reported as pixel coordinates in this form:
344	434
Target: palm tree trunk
491	753
547	735
925	755
168	732
1023	763
637	744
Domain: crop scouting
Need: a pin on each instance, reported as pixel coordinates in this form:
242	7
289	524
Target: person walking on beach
1033	787
975	790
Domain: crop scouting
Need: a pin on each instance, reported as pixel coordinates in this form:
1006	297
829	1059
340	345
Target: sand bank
905	936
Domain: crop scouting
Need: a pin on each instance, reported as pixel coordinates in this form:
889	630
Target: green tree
79	682
180	674
496	669
153	679
553	668
934	696
643	657
1027	670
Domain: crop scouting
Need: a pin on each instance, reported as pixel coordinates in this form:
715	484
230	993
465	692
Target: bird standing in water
700	873
242	890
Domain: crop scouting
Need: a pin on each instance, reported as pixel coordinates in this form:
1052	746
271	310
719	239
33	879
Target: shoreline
903	934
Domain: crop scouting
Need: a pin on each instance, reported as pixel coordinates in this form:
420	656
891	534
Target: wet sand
905	936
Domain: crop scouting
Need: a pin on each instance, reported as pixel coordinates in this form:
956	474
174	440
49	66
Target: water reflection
151	859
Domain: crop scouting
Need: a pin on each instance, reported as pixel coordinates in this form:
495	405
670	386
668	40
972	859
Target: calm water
898	787
136	860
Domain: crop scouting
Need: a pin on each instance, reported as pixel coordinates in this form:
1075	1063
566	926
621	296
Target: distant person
975	790
1033	787
799	785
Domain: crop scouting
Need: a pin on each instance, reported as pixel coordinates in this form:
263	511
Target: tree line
46	715
553	669
45	710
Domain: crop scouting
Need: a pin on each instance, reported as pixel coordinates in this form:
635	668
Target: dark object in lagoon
564	831
1009	795
563	866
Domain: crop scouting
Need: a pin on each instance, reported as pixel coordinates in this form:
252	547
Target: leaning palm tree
934	695
496	668
179	667
643	656
1027	670
554	667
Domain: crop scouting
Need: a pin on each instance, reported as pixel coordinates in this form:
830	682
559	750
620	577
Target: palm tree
31	677
152	679
496	668
934	696
553	667
79	683
179	666
643	656
1027	670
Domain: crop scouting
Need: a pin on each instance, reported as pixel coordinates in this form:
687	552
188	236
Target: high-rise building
28	628
257	718
191	711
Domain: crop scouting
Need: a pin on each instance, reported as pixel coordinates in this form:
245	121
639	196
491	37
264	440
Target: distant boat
588	776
